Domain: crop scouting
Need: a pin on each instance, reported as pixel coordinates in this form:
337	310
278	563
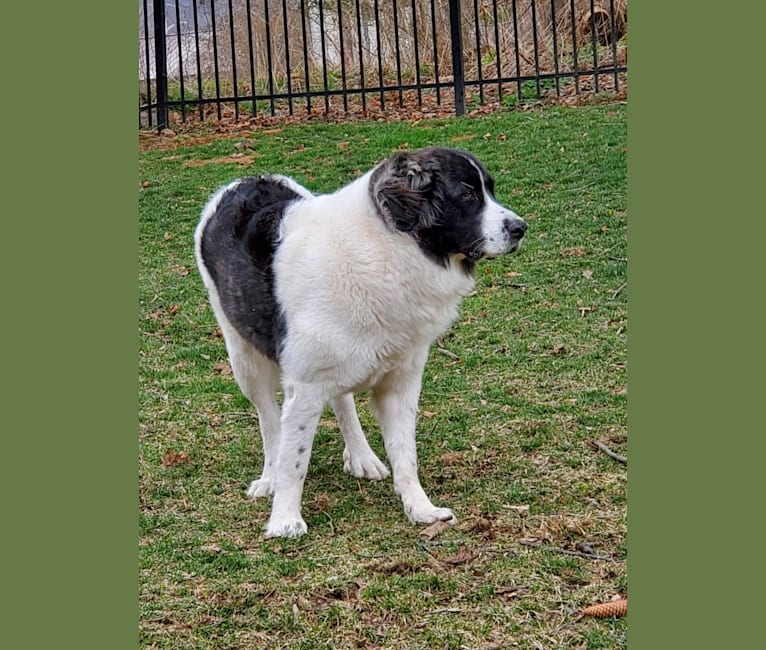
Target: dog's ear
402	189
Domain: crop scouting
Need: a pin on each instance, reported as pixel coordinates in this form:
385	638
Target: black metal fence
219	59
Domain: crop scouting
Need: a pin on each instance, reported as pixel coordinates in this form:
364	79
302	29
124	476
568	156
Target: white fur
362	305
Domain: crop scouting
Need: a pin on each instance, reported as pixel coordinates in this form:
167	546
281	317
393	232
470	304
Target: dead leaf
558	349
461	557
428	414
587	274
478	525
452	458
397	567
183	270
271	131
222	368
433	530
167	236
343	145
575	251
173	310
171	458
322	502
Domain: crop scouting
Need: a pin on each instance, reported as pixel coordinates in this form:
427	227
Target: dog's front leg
301	410
394	403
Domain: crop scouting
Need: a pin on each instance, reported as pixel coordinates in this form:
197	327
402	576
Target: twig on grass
565	551
332	527
447	353
600	445
620	288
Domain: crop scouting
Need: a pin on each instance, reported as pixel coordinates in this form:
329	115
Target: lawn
513	397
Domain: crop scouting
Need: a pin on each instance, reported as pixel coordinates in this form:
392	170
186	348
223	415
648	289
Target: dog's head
445	199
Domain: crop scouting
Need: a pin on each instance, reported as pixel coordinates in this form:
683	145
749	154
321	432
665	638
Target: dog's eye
469	194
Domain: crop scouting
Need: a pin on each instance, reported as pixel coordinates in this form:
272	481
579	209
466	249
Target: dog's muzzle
515	228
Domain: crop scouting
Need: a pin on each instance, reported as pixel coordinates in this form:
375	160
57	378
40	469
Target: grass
533	370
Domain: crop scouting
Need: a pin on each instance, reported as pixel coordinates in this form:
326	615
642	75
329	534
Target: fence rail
201	59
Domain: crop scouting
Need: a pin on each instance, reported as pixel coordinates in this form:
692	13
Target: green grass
503	429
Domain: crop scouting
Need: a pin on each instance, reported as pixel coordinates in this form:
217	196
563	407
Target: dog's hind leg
257	377
358	458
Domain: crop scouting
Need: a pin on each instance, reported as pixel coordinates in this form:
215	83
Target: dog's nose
515	227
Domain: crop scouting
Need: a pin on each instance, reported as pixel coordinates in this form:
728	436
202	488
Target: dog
338	293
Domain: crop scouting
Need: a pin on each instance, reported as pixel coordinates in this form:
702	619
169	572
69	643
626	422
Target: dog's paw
290	527
364	466
262	487
430	514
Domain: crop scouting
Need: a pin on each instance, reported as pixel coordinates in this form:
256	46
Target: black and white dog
346	292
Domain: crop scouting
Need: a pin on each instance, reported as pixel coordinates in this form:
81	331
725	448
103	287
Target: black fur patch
238	245
435	194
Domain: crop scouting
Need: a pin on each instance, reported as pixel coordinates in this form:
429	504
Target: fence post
457	56
160	64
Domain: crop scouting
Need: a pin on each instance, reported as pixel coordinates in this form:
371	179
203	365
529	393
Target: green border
694	121
69	467
69	262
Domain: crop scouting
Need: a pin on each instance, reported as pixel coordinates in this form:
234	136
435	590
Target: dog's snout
515	227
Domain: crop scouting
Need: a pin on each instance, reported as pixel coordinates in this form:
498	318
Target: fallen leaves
397	567
183	271
322	502
222	368
172	458
558	350
463	556
454	458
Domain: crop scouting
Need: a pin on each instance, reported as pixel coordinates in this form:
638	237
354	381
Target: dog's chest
358	303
